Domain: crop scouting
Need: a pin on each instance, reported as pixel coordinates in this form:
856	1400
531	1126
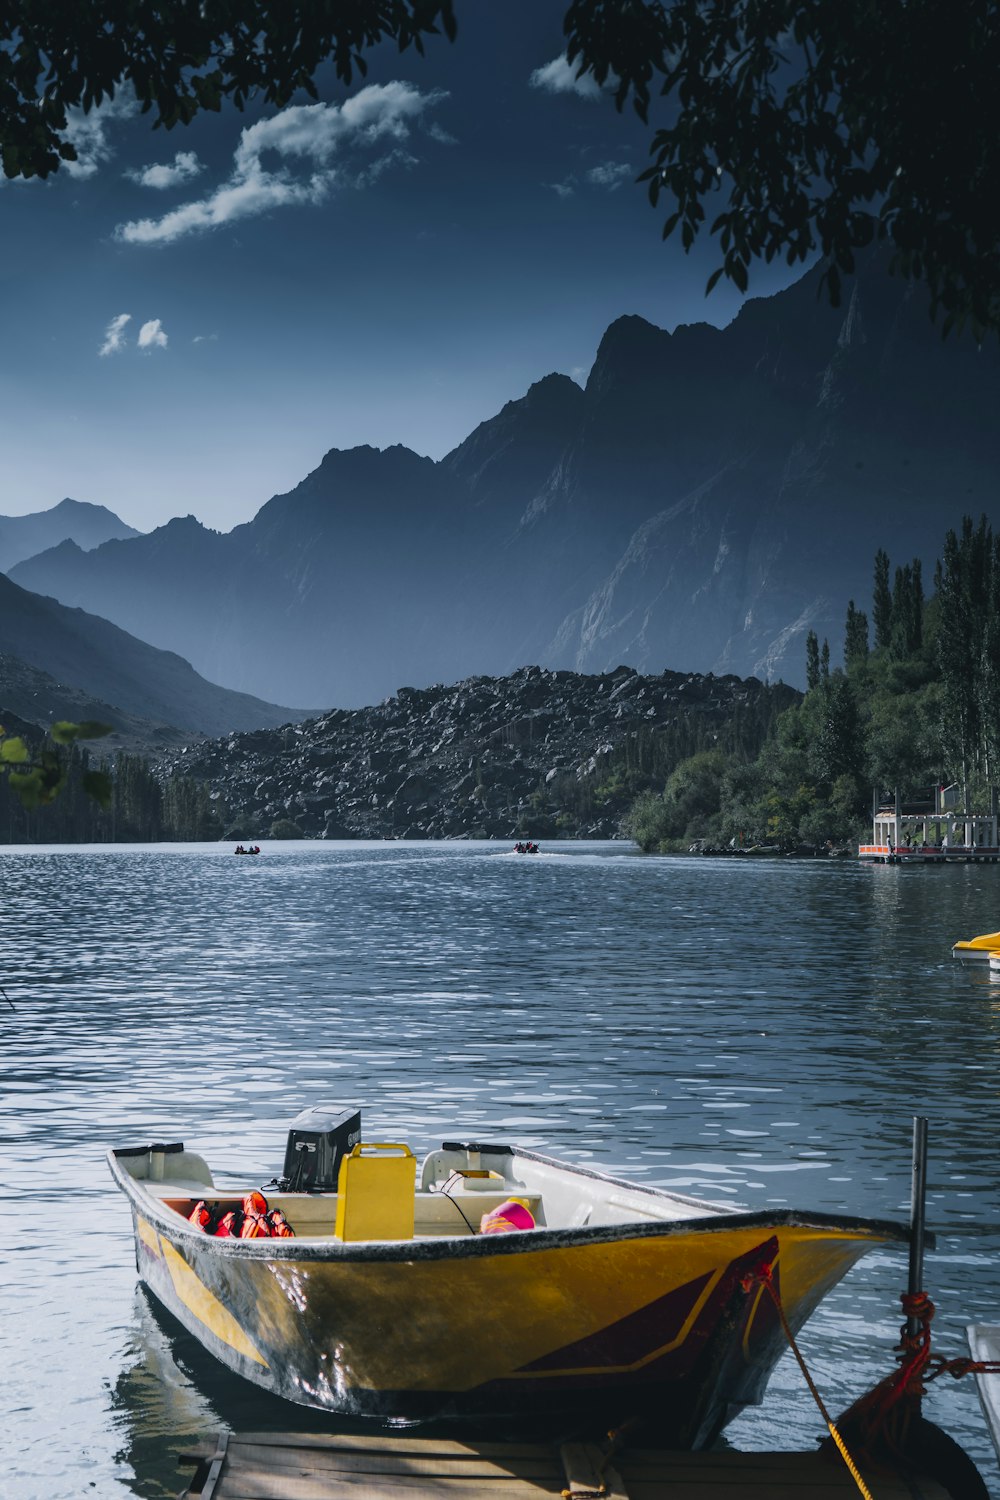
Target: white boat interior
455	1187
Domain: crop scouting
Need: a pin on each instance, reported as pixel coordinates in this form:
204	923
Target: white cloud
89	132
151	335
610	174
318	136
368	176
184	166
559	77
114	334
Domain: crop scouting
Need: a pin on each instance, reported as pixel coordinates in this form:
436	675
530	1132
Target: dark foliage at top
800	119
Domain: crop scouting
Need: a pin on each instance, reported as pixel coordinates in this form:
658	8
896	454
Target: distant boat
395	1301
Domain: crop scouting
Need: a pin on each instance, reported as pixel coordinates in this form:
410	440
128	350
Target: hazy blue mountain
30	696
87	525
709	497
103	662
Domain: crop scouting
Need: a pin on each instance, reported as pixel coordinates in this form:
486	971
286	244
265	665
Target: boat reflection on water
172	1396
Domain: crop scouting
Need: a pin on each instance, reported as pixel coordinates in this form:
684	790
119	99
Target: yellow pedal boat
390	1303
978	947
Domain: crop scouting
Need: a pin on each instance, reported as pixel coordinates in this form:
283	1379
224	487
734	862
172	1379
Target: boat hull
661	1321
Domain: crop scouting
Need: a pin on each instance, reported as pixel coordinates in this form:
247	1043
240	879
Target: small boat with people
525	846
250	849
487	1281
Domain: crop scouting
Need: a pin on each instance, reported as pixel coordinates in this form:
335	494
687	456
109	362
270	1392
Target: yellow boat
978	947
391	1302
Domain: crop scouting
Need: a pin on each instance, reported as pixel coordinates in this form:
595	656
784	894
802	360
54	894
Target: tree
38	774
906	633
809	124
812	661
180	57
855	637
819	124
882	602
837	749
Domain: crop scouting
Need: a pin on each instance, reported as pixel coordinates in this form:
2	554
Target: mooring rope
764	1276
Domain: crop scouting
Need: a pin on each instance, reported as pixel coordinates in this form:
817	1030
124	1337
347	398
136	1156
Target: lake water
754	1032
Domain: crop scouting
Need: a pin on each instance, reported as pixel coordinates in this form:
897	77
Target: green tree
906	631
818	125
804	125
855	637
812	660
882	602
837	749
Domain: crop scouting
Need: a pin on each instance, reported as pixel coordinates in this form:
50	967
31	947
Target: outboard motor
318	1141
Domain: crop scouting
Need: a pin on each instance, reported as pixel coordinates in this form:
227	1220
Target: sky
192	319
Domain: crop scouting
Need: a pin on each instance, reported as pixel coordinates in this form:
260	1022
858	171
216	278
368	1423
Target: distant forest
916	702
142	808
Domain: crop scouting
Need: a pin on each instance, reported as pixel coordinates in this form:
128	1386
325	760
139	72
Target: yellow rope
849	1461
841	1446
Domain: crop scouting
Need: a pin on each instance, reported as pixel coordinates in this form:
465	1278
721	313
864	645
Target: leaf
64	733
97	784
14	751
28	786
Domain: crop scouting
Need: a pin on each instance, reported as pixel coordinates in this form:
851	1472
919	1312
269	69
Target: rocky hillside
30	696
474	760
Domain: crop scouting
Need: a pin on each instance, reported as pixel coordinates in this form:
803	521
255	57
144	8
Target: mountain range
58	663
87	525
708	498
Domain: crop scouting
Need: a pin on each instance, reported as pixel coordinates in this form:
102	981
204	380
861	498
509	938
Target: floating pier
936	827
309	1466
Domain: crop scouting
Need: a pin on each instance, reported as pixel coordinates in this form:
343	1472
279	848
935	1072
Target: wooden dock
306	1466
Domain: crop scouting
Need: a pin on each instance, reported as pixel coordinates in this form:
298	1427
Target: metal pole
917	1205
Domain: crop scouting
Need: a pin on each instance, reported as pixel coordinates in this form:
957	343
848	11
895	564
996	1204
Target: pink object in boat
507	1216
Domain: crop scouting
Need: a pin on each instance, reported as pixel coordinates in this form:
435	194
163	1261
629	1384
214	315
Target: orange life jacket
230	1225
280	1227
200	1216
255	1227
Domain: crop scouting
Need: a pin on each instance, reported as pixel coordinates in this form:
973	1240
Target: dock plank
339	1461
306	1466
248	1480
401	1443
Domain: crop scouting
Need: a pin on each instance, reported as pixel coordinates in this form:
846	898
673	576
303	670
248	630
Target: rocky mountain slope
30	696
710	497
472	760
86	525
103	662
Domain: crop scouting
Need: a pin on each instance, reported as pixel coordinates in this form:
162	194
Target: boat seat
460	1212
